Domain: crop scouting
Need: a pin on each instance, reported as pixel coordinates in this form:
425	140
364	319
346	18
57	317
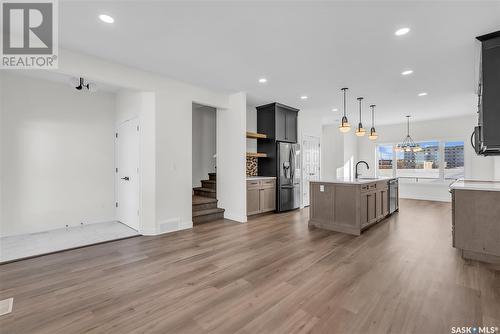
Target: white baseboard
168	226
235	217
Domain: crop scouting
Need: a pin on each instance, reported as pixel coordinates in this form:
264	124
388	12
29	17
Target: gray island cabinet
348	205
476	219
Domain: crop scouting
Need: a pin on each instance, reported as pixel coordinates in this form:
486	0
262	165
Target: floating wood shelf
256	135
256	155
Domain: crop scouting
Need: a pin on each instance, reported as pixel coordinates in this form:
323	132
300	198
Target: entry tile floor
28	245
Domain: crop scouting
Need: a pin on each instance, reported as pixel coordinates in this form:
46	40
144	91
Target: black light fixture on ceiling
373	134
344	125
408	144
360	131
80	84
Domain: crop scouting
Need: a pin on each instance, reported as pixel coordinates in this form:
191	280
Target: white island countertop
475	185
361	180
250	178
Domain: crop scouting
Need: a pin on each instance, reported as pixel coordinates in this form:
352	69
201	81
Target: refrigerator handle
292	164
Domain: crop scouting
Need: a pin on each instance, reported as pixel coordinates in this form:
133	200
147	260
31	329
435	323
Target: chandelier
408	144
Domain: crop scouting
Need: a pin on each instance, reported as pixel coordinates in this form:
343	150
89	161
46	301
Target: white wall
231	158
339	152
57	156
171	128
204	143
458	128
1	153
166	160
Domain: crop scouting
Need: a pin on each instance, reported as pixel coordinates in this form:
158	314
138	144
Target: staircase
205	201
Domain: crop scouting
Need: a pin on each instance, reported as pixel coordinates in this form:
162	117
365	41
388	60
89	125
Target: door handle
126	178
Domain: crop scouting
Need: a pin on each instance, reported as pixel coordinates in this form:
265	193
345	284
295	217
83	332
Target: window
438	161
453	159
385	158
423	164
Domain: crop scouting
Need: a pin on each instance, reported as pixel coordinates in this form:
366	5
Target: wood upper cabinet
291	126
261	196
278	122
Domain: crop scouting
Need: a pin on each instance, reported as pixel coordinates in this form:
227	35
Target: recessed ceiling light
262	80
106	18
335	109
422	94
304	97
402	31
407	72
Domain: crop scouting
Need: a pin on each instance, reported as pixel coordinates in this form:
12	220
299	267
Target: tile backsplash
251	166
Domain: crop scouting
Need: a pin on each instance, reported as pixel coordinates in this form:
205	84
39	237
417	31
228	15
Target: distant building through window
426	164
453	159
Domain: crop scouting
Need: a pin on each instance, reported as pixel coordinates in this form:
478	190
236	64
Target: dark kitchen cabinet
278	122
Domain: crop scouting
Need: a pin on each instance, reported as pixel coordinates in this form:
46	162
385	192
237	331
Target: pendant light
373	134
408	144
360	131
344	125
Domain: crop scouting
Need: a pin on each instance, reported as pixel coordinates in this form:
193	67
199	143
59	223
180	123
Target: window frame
441	151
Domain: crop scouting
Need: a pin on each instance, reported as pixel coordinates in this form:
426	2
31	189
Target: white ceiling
302	48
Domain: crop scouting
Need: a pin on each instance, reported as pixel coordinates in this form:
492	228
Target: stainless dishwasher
393	195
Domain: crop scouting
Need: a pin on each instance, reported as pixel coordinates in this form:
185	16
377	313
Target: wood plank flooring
272	275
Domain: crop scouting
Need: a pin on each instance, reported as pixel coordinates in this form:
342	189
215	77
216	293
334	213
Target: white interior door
311	163
127	173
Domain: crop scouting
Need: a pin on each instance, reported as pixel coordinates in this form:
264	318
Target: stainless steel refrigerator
288	187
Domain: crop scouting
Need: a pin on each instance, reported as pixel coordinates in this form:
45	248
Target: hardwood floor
272	275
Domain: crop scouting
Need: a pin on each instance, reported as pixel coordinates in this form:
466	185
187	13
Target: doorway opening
311	164
204	165
127	178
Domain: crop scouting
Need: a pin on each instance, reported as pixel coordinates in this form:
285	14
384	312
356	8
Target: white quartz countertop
475	185
250	178
352	180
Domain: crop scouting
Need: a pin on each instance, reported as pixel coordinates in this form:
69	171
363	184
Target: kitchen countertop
250	178
352	180
475	185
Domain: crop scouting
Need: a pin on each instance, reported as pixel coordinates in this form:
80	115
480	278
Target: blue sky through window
385	152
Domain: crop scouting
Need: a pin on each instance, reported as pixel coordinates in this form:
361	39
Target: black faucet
360	162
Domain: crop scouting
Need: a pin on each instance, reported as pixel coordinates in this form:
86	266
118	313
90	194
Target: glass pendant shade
360	131
344	125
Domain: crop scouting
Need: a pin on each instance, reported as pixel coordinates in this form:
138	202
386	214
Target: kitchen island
349	205
476	219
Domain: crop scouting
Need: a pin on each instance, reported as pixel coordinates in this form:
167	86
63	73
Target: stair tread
203	200
208	190
207	212
209	181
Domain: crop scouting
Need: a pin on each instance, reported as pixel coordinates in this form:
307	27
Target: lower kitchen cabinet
348	207
261	196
